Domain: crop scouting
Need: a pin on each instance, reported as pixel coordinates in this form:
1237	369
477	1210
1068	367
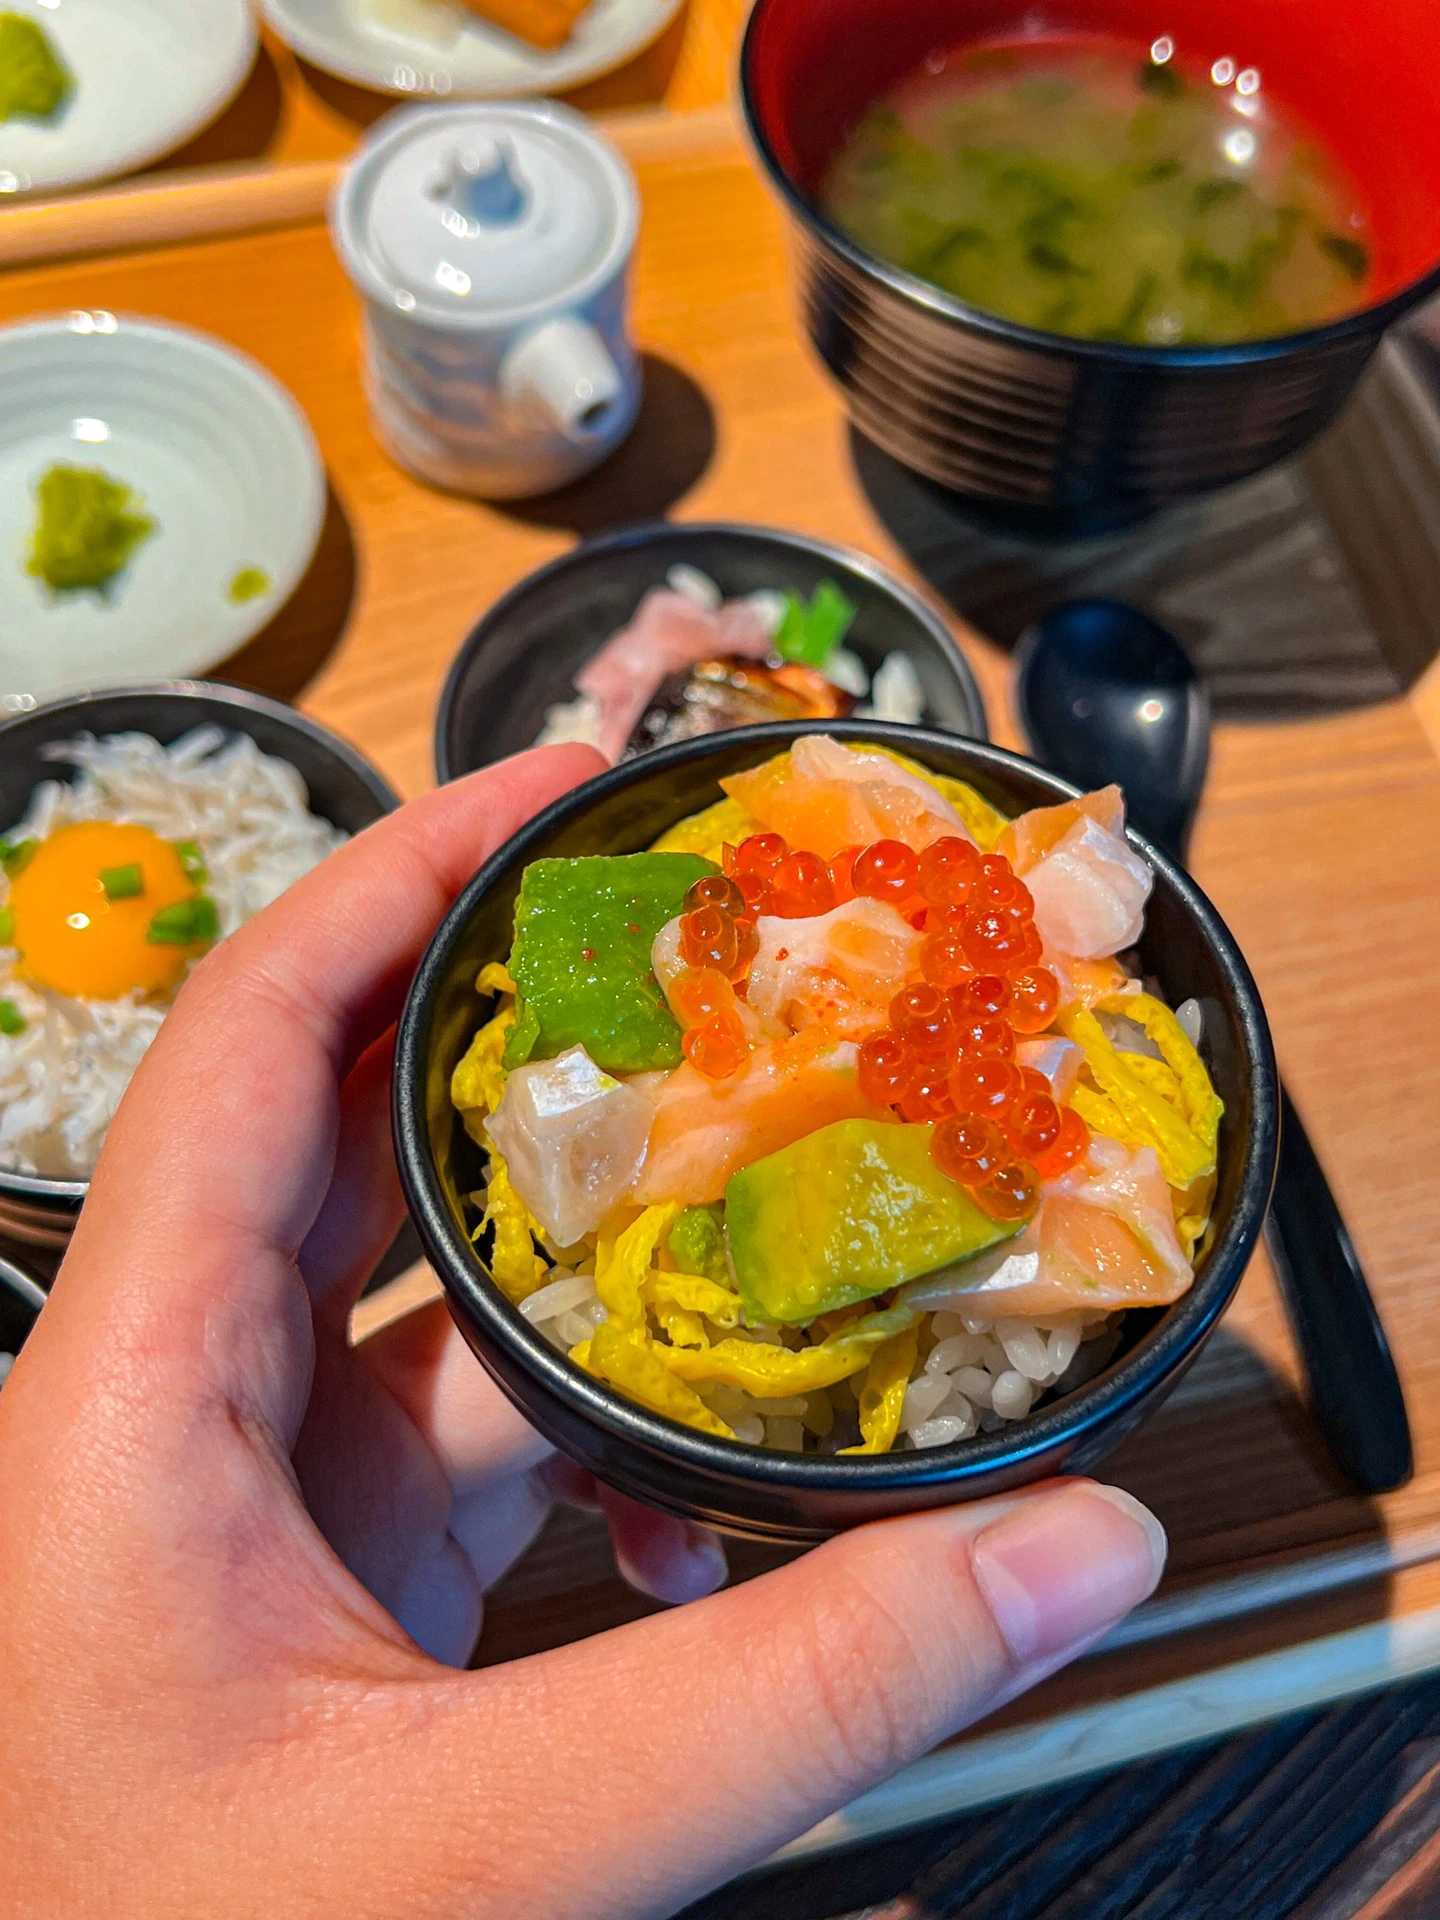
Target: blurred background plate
479	62
522	657
223	460
148	74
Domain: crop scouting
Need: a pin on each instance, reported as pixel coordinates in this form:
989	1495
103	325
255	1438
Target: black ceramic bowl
344	789
1065	433
750	1490
524	655
21	1299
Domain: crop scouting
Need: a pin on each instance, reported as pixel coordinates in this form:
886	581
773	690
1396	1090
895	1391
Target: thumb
686	1748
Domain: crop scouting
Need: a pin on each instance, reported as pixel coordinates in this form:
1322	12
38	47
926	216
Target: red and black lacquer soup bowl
757	1491
1070	433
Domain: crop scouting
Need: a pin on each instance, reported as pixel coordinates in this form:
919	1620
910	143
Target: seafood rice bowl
840	1121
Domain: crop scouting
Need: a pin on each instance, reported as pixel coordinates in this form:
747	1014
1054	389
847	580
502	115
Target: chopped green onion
123	883
16	855
189	923
1347	254
193	861
7	926
810	633
12	1021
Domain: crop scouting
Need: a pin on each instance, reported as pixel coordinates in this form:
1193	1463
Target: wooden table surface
1317	843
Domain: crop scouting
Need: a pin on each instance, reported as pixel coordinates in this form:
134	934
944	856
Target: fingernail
1060	1568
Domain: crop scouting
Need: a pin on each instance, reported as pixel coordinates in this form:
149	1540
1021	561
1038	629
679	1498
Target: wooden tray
289	112
1316	842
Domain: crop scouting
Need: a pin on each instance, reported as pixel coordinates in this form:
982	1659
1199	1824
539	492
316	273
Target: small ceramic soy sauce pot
492	245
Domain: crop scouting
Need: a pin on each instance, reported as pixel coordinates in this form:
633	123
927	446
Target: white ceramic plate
464	59
148	74
223	460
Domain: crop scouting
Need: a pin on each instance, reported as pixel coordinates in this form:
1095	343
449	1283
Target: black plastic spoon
1106	694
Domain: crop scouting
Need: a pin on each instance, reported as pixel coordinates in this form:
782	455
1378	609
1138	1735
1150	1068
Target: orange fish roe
800	887
718	942
947	1056
887	871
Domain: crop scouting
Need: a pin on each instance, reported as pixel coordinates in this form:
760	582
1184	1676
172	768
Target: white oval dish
148	75
222	458
479	62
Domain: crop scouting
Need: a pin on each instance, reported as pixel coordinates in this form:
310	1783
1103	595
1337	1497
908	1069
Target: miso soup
1104	192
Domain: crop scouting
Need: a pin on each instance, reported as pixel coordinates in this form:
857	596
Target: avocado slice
697	1243
581	959
844	1214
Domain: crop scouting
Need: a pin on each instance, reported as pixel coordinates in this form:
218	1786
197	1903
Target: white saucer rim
314	49
143	153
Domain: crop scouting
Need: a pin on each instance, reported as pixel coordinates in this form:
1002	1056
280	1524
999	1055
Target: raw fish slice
705	1130
1090	892
839	970
1030	836
1127	1183
826	797
1059	1060
573	1139
1104	1238
669	634
1084	983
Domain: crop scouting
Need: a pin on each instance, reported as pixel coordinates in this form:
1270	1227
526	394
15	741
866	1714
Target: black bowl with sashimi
527	657
1185	954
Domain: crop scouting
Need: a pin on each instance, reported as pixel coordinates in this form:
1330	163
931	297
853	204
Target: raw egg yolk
75	940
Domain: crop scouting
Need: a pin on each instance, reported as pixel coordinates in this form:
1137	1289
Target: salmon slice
838	970
1085	982
1104	1238
1030	836
706	1130
824	797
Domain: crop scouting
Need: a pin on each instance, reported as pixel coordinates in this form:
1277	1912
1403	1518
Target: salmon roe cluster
948	1054
717	944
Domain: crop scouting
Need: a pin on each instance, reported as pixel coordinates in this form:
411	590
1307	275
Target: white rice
63	1077
977	1377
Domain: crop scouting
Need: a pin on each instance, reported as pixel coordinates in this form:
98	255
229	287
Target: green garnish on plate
192	859
7	926
12	1021
123	883
812	629
250	583
88	528
16	855
34	81
189	923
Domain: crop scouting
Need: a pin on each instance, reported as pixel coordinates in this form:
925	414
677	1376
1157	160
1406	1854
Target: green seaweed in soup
1103	194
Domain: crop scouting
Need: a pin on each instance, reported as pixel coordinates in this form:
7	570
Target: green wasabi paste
88	527
250	583
34	81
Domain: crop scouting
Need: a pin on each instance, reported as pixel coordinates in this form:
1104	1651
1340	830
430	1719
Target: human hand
241	1559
